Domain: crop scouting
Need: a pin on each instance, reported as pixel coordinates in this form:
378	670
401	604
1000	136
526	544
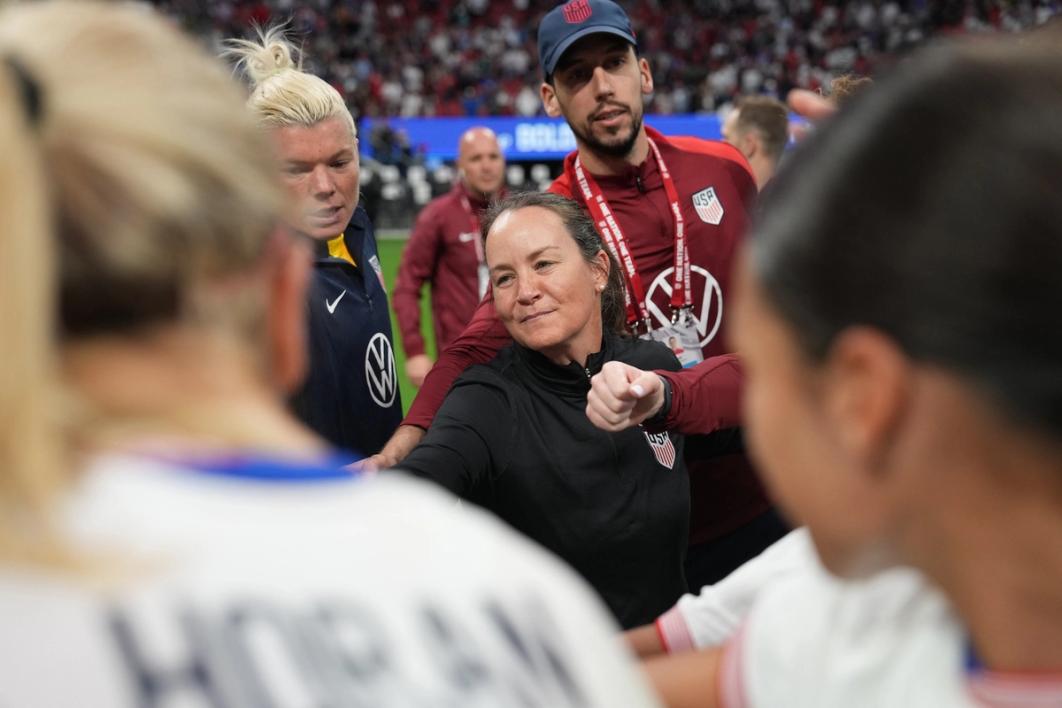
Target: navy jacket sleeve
469	440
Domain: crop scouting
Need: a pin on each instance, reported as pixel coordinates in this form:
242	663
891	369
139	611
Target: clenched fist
622	396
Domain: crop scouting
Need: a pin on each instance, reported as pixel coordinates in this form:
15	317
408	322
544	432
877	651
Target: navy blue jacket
350	396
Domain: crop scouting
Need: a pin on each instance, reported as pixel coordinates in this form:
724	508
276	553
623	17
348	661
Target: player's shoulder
494	381
716	149
850	607
400	505
869	636
156	497
561	186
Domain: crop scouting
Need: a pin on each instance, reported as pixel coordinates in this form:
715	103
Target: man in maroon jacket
673	210
446	250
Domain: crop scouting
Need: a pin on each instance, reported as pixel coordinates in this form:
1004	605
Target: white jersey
712	617
328	592
813	640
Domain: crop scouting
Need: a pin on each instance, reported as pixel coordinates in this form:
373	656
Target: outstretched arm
469	439
702	399
686	680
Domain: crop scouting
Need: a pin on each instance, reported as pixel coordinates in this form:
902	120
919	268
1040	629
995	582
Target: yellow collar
337	248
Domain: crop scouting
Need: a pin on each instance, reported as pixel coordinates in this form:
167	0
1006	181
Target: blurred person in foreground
672	210
350	396
904	400
169	534
758	126
445	249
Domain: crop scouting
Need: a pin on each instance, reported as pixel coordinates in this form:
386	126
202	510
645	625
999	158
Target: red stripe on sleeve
730	687
673	631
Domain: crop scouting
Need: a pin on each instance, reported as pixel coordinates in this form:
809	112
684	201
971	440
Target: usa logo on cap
708	206
577	11
663	448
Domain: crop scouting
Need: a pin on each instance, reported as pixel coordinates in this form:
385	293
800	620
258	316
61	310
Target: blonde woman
175	537
351	393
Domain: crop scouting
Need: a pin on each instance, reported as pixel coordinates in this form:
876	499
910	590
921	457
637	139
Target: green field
390	254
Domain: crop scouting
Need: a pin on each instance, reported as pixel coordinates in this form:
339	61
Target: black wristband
665	407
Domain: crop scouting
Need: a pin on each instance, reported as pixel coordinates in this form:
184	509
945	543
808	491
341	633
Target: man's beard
621	148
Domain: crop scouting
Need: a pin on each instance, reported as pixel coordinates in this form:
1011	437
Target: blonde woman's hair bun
272	54
282	94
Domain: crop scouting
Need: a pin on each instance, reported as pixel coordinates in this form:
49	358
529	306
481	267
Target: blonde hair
161	192
282	93
30	462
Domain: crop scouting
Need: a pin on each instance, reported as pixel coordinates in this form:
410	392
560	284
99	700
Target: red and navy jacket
350	396
442	251
725	492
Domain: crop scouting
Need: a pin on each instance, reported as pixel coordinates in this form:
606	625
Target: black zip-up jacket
513	437
350	396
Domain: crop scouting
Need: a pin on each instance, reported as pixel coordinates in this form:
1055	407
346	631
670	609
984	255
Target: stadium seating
478	58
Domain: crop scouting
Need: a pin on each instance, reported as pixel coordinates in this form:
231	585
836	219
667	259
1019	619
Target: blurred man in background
758	126
445	249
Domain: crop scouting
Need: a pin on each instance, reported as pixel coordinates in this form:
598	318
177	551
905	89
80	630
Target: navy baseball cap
566	23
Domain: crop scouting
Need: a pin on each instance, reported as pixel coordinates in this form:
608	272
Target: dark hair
767	116
930	210
581	228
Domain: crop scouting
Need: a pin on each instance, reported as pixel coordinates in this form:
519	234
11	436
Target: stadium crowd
200	366
478	58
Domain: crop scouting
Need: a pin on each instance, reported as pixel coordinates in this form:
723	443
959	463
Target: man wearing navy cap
673	210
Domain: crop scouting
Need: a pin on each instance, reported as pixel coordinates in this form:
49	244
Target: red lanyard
477	238
613	236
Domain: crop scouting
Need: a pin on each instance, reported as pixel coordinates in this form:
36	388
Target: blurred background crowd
477	57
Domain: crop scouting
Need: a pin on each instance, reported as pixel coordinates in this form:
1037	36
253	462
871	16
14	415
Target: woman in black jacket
513	435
